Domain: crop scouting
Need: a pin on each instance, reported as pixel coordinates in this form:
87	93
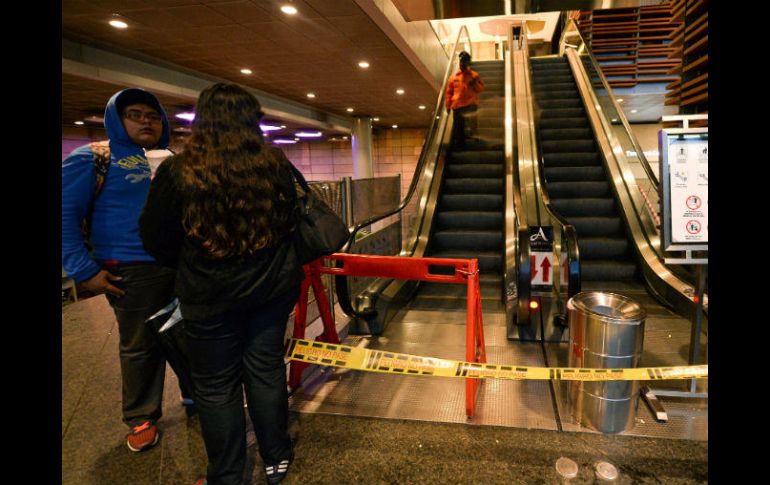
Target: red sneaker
143	436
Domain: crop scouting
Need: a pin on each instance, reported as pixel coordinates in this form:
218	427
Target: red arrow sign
546	265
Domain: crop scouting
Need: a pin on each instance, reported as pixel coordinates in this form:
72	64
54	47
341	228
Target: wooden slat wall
633	45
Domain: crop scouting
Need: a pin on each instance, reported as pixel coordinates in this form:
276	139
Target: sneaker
143	436
201	481
276	473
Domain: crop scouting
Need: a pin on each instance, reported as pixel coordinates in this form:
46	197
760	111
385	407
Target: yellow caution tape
359	358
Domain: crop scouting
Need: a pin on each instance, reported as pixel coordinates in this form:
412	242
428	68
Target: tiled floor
331	449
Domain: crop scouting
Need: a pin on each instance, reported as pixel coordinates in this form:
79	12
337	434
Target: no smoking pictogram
693	202
693	227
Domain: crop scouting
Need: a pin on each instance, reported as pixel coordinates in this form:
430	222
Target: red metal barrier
403	268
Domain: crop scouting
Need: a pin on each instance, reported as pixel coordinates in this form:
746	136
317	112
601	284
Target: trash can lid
610	307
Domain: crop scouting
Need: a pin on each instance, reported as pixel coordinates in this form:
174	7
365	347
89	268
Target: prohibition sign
693	227
693	202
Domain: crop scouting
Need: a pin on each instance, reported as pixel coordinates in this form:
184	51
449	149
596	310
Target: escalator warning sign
541	257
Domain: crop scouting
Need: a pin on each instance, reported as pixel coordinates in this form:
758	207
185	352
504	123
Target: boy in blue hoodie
134	284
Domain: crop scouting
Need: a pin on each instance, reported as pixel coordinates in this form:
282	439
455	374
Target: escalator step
489	156
597	226
475	170
473	186
560	95
550	66
545	79
559	103
607	270
558	113
578	189
472	202
600	207
571	159
546	87
485	144
467	240
470	220
460	292
593	248
554	123
567	174
490	262
569	146
566	134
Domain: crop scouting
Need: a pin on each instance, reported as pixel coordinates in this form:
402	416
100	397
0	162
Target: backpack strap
101	151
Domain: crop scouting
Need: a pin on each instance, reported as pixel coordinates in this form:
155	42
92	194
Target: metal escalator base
441	334
518	404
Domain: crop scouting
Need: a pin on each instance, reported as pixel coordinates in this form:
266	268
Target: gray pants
148	287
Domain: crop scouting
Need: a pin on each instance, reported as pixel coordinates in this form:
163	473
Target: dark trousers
241	349
148	287
465	124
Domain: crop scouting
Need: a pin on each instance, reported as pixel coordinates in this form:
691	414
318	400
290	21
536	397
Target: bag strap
299	177
101	161
101	151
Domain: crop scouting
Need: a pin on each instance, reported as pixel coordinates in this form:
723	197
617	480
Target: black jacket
207	287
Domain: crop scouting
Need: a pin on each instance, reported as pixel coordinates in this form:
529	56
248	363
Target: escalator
470	209
577	181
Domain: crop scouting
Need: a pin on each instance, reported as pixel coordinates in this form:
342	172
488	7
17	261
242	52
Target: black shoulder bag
319	231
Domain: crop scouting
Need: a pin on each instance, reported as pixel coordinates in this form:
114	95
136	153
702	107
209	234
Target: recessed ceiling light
94	119
308	134
186	116
264	127
363	64
79	123
118	24
375	119
633	111
245	71
614	120
395	126
422	106
283	126
284	140
620	100
310	95
399	91
288	10
349	110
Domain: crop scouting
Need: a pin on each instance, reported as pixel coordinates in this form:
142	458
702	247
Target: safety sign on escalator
541	257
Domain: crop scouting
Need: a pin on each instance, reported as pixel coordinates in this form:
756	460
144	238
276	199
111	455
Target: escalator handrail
568	230
572	29
341	282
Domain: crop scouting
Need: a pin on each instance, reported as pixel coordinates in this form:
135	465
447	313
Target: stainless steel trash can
606	331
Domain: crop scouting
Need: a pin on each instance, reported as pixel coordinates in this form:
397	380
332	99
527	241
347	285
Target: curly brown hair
240	196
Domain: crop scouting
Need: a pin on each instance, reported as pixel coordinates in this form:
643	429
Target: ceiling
317	50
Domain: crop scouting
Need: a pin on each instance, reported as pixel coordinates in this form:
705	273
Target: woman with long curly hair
221	213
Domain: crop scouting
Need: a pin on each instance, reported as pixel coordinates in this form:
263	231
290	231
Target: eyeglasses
138	116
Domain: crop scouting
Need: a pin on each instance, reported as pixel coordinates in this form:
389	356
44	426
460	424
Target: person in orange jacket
462	96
